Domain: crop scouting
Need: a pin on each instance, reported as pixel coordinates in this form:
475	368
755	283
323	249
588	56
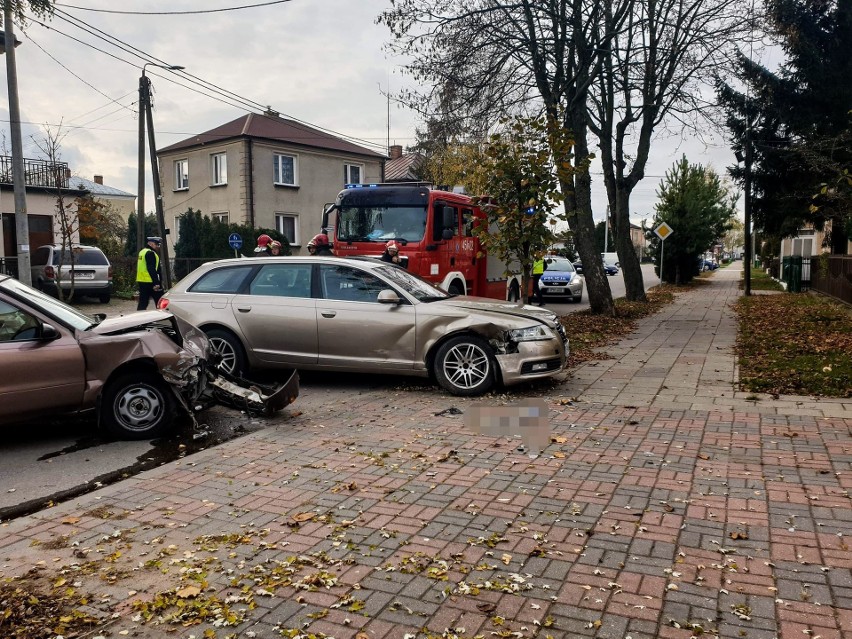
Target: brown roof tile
404	168
268	127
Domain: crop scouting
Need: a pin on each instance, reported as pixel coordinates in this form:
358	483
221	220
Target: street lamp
145	116
22	225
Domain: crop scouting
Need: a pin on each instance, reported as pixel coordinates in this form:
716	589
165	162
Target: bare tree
486	58
67	222
663	53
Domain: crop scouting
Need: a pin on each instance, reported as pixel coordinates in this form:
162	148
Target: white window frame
276	168
347	173
221	216
279	226
181	175
218	162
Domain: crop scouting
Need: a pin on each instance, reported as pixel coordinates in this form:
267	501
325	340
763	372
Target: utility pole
22	225
747	249
146	117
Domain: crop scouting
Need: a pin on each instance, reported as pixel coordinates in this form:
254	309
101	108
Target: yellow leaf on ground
303	516
188	592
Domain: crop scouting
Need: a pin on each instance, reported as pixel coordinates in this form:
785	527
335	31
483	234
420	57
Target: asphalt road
50	461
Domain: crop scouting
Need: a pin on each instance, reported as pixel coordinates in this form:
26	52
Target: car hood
129	321
487	305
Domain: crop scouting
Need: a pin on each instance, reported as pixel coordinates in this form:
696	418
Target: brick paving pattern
667	504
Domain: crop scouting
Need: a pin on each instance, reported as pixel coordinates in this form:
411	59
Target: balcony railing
37	172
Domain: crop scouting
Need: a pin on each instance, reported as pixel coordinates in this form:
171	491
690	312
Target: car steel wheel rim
466	366
229	358
139	408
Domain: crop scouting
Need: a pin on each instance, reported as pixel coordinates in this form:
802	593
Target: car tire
104	299
464	366
137	406
230	349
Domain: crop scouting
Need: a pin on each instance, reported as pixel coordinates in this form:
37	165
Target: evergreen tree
797	121
699	208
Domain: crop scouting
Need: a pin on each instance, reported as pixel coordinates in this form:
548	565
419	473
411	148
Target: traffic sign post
662	232
235	242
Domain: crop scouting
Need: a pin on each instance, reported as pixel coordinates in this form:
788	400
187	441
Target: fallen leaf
559	455
739	535
188	592
506	558
303	517
71	520
558	439
487	607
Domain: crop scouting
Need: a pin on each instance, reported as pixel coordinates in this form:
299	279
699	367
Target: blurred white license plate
84	276
555	289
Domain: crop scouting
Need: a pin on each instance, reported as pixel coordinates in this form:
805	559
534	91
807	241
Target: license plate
86	275
555	289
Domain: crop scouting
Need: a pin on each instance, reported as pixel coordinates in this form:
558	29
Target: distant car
707	265
609	269
137	371
86	268
561	279
361	315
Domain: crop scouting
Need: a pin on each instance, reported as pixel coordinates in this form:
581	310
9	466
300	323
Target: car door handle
244	309
329	314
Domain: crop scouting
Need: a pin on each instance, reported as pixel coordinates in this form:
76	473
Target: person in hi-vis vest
148	275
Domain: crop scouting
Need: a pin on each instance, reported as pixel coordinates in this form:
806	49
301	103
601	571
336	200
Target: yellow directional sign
663	231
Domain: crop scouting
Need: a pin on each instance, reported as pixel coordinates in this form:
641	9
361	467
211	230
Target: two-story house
263	170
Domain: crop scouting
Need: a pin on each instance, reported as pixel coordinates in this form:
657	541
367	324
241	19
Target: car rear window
81	257
222	280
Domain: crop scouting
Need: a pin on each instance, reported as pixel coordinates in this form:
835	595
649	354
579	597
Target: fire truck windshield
381	223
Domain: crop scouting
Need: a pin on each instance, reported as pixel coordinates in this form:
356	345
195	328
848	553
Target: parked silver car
83	269
362	315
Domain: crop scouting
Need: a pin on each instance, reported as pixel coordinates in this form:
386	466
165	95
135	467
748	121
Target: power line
173	13
230	95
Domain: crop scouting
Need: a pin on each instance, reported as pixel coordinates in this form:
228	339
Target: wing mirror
48	332
388	296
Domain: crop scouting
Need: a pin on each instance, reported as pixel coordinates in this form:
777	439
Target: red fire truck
434	229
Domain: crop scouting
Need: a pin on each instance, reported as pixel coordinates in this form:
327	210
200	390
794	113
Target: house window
219	168
288	225
220	217
181	175
285	170
352	173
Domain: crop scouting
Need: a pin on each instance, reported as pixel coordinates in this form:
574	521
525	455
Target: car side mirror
387	296
48	332
447	234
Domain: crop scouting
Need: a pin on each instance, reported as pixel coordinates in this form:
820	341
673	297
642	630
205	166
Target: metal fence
9	266
832	276
796	273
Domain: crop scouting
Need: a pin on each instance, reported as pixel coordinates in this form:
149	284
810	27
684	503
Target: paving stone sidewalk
667	504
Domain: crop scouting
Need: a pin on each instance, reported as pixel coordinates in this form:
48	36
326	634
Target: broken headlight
530	334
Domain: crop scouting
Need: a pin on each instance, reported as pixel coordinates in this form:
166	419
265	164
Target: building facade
265	171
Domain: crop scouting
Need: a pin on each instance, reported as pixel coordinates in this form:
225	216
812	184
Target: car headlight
530	334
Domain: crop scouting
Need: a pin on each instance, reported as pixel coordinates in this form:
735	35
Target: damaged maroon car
137	371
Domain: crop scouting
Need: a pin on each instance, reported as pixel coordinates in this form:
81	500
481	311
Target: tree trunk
634	284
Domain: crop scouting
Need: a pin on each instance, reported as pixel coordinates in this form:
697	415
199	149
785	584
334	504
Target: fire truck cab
434	229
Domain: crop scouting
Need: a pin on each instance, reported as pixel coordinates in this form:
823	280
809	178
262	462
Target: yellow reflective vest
538	267
142	274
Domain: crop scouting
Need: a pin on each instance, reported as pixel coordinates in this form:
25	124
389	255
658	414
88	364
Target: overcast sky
319	61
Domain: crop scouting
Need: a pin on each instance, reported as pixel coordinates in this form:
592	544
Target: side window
16	325
40	257
282	280
467	222
227	280
349	284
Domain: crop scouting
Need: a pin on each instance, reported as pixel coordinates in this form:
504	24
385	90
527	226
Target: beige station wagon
363	315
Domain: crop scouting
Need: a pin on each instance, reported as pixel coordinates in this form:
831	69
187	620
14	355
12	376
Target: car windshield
558	264
381	223
411	284
51	306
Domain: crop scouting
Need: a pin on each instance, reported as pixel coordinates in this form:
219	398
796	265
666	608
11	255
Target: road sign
663	231
235	241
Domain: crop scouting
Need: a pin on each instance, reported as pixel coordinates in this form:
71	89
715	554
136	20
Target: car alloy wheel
464	366
233	359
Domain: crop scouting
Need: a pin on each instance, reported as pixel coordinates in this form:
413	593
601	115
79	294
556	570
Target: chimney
99	179
395	151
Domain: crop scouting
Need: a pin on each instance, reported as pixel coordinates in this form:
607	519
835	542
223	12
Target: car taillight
109	272
49	273
163	304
